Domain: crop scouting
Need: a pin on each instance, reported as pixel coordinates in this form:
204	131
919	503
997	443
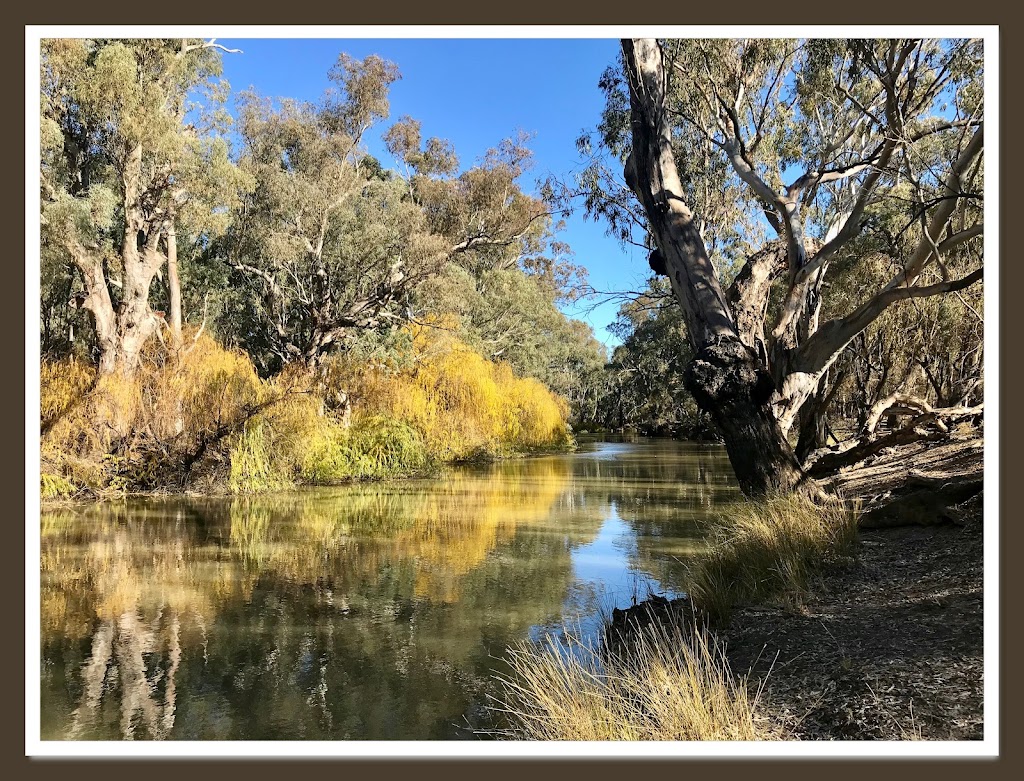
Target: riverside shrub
462	404
353	419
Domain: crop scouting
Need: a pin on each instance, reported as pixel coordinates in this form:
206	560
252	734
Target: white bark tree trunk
173	286
727	377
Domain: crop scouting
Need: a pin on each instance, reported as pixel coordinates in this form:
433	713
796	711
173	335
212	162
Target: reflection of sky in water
361	611
604	579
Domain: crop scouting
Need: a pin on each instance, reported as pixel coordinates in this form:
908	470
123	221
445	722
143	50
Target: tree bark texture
727	378
173	286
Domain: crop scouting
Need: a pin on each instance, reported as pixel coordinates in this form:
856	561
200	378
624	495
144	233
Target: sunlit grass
672	683
671	680
766	551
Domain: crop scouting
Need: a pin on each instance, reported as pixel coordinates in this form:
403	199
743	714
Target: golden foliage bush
462	404
62	384
128	433
353	419
74	441
201	391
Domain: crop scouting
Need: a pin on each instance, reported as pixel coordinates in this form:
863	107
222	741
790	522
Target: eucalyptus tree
838	142
507	272
325	243
646	370
124	156
332	246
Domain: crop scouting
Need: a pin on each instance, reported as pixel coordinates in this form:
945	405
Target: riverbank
876	636
204	422
888	646
220	489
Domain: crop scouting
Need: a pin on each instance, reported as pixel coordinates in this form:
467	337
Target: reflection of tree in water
369	611
663	489
134	588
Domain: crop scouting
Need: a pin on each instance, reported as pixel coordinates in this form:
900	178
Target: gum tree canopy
125	157
855	151
330	246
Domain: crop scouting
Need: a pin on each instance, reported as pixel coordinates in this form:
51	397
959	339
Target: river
370	611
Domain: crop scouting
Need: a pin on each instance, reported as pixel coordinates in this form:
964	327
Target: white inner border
988	747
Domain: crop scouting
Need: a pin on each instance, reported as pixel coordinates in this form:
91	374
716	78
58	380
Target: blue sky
474	93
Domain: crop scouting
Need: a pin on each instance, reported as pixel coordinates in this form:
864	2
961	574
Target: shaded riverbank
888	646
885	640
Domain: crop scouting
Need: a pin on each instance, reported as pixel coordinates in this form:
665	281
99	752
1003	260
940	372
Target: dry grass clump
674	683
767	550
670	680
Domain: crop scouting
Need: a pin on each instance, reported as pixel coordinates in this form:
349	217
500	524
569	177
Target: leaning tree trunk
726	377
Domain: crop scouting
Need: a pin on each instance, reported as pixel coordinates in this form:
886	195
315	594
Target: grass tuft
764	551
674	683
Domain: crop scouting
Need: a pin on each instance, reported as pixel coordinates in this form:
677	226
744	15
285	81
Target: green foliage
55	487
849	143
119	166
375	448
252	467
644	381
324	246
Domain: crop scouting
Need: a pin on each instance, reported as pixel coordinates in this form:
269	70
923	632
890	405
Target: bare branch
821	349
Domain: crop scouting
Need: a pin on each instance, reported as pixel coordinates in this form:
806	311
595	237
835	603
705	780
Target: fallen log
933	501
832	462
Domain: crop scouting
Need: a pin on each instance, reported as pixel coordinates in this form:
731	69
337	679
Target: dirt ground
888	644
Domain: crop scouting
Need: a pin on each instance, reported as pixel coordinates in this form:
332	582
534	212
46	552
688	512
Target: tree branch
822	348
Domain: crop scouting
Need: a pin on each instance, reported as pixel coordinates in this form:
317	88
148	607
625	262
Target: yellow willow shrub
252	466
462	404
75	441
127	431
202	390
534	417
295	425
62	384
270	451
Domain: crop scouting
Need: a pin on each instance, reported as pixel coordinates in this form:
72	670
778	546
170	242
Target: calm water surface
360	612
